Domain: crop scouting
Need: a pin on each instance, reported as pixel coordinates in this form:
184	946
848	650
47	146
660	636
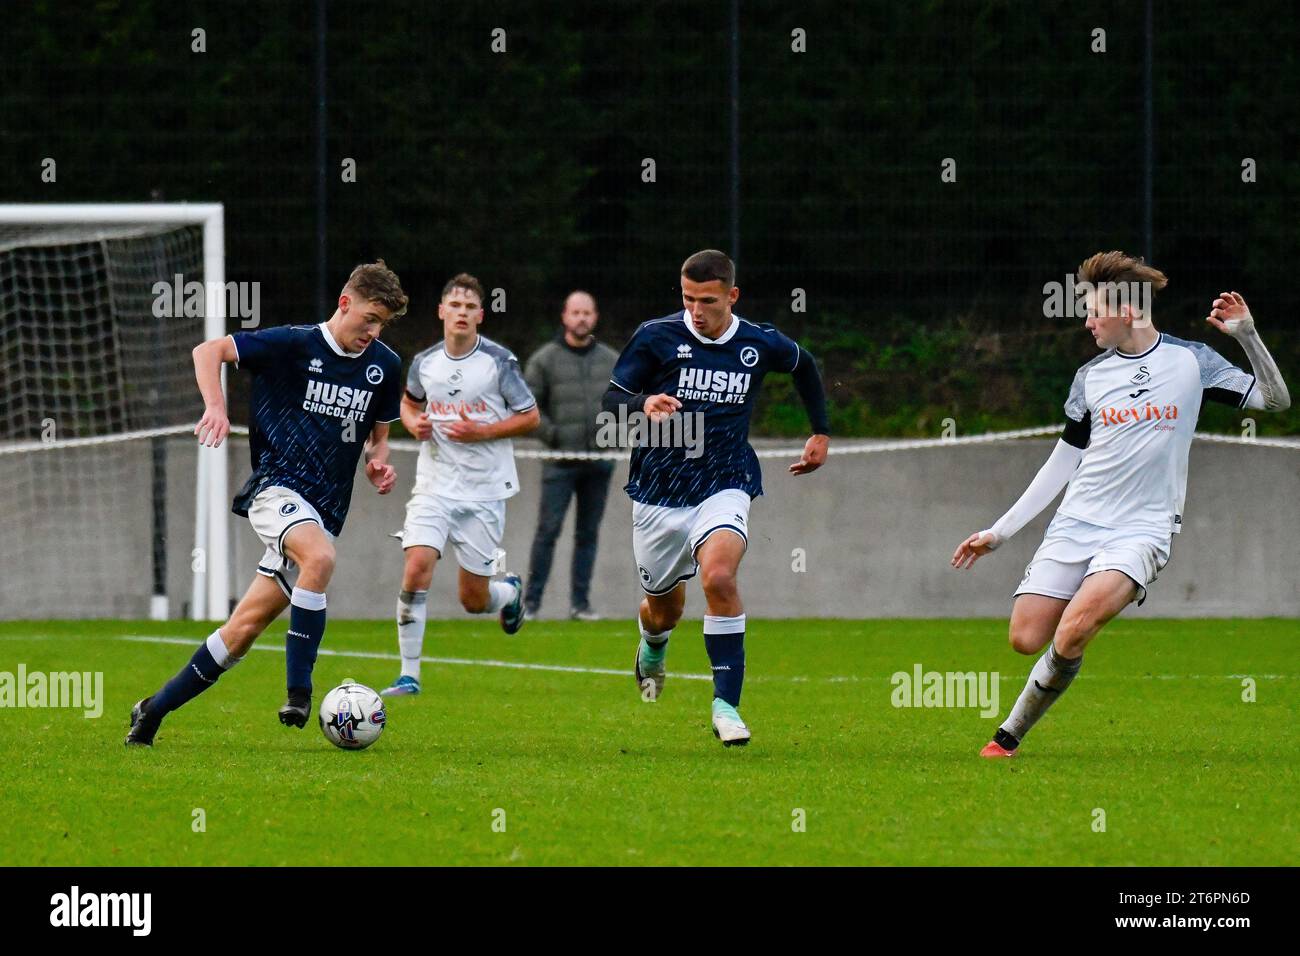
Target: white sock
651	638
217	648
1050	676
412	611
311	600
499	595
718	624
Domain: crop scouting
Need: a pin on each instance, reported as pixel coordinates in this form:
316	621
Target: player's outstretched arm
209	356
1230	315
808	383
378	471
1047	484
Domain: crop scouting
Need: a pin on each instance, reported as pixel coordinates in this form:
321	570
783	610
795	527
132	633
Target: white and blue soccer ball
352	716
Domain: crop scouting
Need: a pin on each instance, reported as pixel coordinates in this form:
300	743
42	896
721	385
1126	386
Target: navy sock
306	630
724	639
193	679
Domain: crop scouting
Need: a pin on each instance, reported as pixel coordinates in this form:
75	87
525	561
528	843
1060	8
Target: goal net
102	514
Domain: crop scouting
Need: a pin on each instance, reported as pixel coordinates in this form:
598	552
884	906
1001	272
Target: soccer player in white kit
465	399
1131	413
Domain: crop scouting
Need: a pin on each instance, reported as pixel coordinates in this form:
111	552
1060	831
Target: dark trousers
561	480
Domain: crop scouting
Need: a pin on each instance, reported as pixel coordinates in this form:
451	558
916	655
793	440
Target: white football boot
727	725
650	675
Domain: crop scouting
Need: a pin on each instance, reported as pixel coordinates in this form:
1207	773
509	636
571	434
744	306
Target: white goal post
49	284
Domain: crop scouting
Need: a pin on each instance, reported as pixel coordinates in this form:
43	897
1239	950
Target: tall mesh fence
511	140
94	362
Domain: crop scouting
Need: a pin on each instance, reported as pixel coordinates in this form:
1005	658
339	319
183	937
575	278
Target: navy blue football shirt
313	406
718	377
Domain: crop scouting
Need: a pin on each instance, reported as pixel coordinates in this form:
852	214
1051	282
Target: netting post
199	583
215	461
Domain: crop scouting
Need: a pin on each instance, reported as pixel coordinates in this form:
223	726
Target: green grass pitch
1155	734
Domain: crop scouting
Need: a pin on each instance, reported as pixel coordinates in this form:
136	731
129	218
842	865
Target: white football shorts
664	540
474	528
273	512
1073	549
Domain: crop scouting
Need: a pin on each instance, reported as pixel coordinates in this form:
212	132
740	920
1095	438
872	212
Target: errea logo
315	366
683	351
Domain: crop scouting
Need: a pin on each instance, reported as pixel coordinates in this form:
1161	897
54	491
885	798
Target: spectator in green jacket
568	376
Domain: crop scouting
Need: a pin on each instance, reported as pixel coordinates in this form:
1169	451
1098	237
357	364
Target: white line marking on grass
571	669
463	661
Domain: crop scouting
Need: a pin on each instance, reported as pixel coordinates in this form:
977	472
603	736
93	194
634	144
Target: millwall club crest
749	356
374	374
288	508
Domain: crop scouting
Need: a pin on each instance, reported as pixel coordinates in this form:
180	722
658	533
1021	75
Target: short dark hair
708	265
375	282
463	280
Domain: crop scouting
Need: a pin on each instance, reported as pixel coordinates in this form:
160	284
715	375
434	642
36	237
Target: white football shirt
1135	415
487	386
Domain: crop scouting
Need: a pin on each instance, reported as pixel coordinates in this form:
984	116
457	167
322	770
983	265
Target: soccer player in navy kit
321	394
690	511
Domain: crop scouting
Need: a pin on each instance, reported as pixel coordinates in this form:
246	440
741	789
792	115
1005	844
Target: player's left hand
1230	314
466	430
382	475
814	455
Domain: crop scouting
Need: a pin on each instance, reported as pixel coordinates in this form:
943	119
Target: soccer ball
352	716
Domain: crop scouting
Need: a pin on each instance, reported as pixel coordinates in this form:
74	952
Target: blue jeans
561	480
